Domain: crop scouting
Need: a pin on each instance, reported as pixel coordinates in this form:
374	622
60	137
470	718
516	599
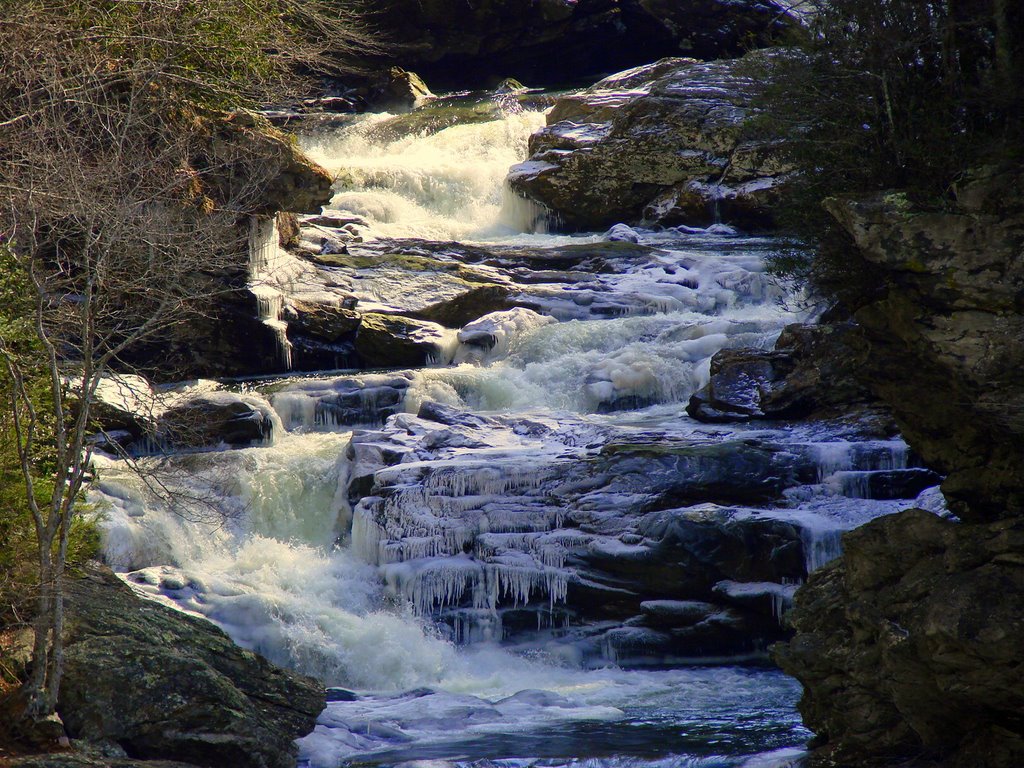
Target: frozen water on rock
494	501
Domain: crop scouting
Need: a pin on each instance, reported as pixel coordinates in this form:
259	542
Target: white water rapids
447	185
266	547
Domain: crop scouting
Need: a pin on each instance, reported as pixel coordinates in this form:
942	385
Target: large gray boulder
909	646
662	143
156	684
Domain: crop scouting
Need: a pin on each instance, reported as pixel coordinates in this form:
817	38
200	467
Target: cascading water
503	502
447	185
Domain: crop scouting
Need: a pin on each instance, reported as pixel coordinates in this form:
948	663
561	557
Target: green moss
898	201
406	262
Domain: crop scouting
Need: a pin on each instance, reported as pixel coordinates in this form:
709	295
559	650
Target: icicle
264	261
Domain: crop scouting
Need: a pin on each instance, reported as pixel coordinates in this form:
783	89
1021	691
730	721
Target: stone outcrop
469	306
147	682
244	148
546	42
662	143
214	419
945	341
910	646
391	341
812	373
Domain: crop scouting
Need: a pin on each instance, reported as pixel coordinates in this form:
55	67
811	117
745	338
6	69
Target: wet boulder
323	322
398	90
392	341
467	307
682	554
213	419
149	681
322	336
662	143
493	334
813	372
727	472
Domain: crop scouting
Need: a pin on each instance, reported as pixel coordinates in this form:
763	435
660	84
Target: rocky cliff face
946	339
662	143
262	171
909	646
543	43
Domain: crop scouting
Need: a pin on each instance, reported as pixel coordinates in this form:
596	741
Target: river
525	553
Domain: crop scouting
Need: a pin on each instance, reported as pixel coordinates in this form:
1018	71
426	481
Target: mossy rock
392	341
162	685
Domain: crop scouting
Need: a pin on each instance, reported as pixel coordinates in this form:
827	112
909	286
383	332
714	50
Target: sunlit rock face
547	42
660	143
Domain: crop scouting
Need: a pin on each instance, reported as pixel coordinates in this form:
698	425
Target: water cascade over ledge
525	551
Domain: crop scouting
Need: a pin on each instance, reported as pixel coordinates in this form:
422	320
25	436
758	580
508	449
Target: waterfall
443	185
464	544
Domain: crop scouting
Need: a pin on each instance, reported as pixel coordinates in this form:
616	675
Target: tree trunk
1007	43
55	669
36	686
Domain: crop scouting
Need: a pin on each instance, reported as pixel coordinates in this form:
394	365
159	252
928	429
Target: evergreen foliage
907	94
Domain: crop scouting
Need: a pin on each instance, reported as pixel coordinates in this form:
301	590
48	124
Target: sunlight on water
447	185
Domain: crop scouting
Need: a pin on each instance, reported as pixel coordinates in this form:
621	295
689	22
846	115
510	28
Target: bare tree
124	183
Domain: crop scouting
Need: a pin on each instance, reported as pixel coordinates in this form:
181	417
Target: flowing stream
460	550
